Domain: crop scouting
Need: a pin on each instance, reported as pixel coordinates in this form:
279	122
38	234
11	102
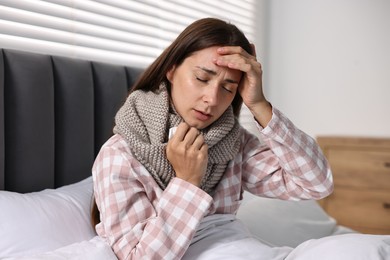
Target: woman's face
201	91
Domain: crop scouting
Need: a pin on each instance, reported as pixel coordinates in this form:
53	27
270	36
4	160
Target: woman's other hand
187	152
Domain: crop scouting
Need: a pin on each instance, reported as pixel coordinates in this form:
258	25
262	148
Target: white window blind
127	32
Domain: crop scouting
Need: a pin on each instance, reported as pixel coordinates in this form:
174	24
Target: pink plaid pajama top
141	221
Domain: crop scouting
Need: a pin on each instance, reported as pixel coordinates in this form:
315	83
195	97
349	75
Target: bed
55	113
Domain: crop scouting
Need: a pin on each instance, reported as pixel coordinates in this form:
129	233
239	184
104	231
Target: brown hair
201	34
95	214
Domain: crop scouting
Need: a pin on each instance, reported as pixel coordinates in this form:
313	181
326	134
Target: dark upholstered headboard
55	113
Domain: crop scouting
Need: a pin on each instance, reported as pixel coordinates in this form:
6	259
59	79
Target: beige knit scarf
144	121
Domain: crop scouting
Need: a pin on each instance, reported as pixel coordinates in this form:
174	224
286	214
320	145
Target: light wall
327	64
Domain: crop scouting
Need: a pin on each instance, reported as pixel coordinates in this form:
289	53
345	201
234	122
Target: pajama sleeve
288	165
139	220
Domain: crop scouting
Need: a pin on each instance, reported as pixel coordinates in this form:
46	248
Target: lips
201	115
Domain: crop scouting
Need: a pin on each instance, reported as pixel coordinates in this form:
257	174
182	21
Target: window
127	32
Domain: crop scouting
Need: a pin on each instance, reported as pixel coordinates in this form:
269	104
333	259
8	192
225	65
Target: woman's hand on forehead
235	57
251	86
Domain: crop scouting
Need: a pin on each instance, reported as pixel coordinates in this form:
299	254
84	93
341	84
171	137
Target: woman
161	198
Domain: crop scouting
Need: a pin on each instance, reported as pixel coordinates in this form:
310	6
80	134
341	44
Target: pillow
342	247
284	223
41	221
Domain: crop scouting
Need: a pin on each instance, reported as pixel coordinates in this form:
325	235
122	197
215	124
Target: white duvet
222	237
93	249
51	221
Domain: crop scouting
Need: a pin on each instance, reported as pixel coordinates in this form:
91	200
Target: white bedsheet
94	249
221	237
344	247
224	237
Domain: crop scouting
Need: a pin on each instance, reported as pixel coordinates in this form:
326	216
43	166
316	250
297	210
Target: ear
170	73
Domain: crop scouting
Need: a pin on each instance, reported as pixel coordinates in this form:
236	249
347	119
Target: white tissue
172	132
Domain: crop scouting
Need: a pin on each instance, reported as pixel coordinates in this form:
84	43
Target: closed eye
202	80
228	90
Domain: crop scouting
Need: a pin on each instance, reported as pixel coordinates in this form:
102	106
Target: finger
229	50
204	149
181	132
253	47
236	62
198	142
191	135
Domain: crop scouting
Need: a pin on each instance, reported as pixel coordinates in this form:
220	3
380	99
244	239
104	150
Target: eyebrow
212	72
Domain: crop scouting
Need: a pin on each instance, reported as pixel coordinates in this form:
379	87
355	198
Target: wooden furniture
361	172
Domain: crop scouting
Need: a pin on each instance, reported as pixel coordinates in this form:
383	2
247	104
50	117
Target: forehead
205	59
207	53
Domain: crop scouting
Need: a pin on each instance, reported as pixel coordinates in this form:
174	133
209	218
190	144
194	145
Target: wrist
262	112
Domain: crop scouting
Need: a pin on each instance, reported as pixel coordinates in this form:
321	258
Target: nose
210	95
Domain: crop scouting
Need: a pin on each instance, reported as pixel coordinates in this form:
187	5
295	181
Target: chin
203	126
198	125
